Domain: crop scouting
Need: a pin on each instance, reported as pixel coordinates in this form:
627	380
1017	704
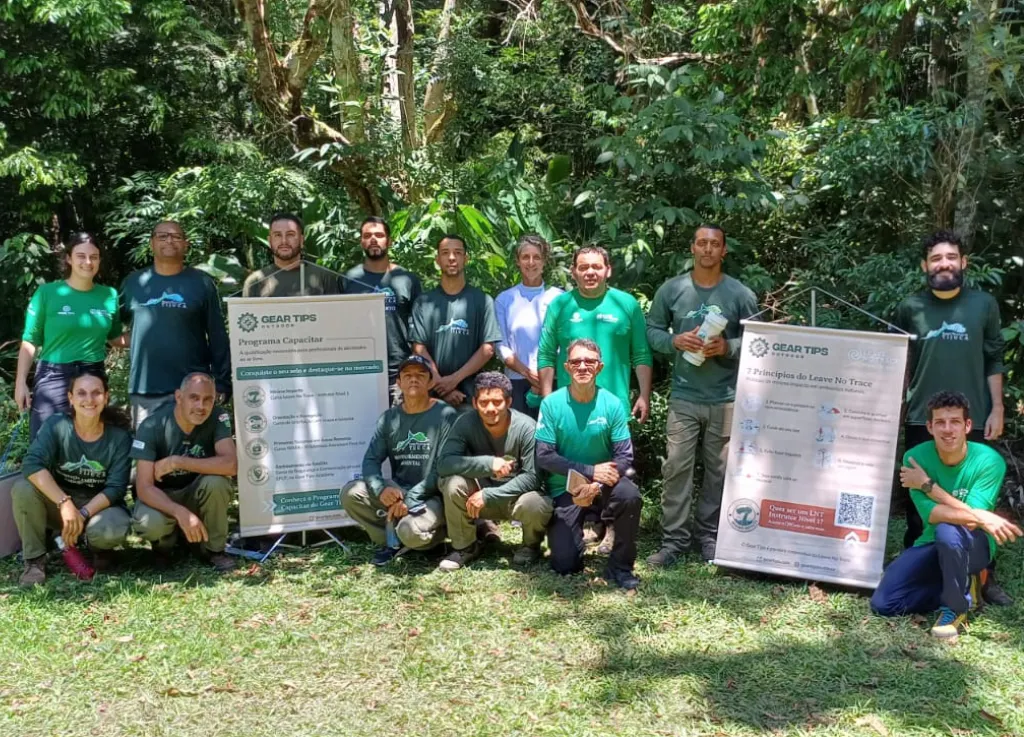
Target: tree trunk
346	70
437	107
406	76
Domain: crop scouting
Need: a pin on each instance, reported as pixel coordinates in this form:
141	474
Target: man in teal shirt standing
609	317
955	485
702	395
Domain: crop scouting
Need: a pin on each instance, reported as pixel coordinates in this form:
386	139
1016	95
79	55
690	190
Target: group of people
547	443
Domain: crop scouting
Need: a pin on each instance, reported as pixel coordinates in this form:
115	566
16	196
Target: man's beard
380	255
945	281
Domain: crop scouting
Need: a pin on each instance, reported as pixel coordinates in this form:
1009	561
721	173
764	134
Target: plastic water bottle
713	325
75	561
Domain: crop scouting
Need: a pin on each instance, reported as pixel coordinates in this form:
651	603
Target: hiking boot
527	555
947	627
707	551
664	558
385	555
992	592
460	558
626	580
975	598
221	562
487	532
34	573
605	548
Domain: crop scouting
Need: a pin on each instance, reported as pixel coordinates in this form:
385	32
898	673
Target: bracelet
65	498
84	511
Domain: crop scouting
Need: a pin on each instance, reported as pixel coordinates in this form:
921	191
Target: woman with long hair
67	326
76	476
520	312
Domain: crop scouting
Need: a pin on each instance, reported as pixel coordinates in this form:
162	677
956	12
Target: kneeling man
487	472
955	486
408	435
583	433
186	459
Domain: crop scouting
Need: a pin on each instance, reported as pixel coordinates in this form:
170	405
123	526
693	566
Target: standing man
400	287
583	433
454	326
290	275
700	407
186	459
487	472
955	485
959	346
609	317
409	436
176	324
520	311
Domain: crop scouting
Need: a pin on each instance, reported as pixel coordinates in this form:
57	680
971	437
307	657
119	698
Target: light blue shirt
520	312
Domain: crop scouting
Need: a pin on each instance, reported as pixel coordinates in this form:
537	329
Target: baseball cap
415	360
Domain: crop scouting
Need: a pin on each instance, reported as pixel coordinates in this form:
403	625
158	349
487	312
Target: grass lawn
320	643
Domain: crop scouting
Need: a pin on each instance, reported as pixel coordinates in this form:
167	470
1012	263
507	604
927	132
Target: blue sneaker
948	625
385	555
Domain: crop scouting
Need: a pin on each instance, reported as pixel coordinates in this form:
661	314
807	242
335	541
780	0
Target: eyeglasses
173	237
583	362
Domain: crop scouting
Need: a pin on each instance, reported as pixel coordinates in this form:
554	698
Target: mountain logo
744	515
948	331
417	438
704	310
455	325
83	464
167	299
195	451
247	322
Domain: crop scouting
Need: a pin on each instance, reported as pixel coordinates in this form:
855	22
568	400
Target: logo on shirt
948	331
390	298
167	299
95	312
247	322
603	317
455	326
599	421
85	467
960	494
704	310
576	317
66	311
195	451
415	441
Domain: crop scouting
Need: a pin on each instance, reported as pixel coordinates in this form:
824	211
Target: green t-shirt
306	279
470	451
680	306
177	328
976	481
401	289
453	327
959	346
67	325
82	470
160	436
411	443
583	433
614	321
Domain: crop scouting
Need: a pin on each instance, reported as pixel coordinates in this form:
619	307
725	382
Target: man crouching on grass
955	485
583	433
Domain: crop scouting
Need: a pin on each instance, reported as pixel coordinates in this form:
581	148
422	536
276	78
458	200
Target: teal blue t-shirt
584	433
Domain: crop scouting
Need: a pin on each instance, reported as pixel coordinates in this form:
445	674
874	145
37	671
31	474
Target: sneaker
975	598
487	532
605	548
35	572
526	555
664	558
460	558
707	551
626	580
221	562
992	592
948	625
385	555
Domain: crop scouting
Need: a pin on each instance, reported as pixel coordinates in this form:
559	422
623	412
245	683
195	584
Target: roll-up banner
310	381
812	453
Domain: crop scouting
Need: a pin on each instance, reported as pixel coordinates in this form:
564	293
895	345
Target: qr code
855	510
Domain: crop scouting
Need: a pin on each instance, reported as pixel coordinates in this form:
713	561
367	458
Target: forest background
826	136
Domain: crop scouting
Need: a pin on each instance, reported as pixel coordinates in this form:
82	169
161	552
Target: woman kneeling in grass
76	476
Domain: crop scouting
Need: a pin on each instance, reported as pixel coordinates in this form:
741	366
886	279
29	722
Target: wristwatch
84	511
926	487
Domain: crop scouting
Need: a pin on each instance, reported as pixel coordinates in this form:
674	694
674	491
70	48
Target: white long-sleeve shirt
520	311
